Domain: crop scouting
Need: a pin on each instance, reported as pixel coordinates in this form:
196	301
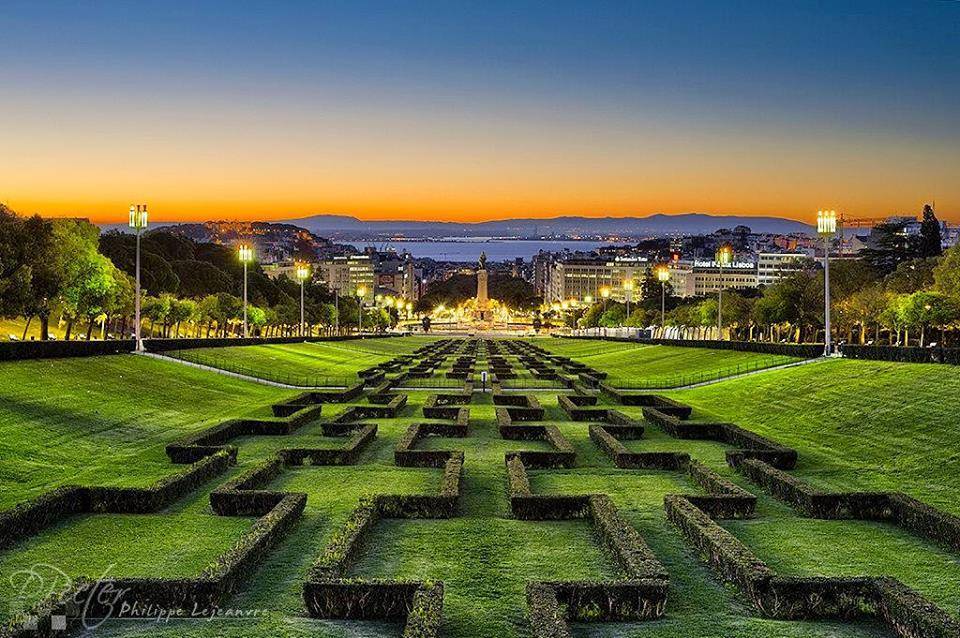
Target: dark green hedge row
805	351
525	505
216	438
426	612
623	458
891	507
749	444
903	354
907	612
628	548
241	495
666	405
563	454
318	396
359	412
404	455
516	400
35	515
112	597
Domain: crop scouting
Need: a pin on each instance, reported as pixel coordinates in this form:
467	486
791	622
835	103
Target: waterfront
469	249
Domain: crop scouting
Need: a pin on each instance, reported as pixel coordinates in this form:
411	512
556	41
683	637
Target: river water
469	249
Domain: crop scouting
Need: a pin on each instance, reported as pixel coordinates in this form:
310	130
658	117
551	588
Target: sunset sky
479	110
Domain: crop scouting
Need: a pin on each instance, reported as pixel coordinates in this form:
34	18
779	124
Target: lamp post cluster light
361	293
302	272
663	276
723	258
826	228
138	222
245	252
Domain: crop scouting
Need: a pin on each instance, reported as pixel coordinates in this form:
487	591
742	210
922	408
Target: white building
582	279
346	275
772	267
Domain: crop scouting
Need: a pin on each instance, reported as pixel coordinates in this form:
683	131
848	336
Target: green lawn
645	366
110	545
308	363
846	418
857	424
105	420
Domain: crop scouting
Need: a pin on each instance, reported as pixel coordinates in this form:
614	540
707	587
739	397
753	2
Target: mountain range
347	227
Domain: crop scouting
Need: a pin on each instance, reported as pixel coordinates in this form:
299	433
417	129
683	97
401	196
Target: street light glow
138	216
245	251
663	273
605	292
826	222
302	271
725	255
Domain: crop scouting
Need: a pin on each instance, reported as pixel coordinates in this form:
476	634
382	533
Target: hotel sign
736	265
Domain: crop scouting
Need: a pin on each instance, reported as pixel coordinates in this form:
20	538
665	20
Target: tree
946	274
924	310
613	316
866	308
911	276
890	245
425	322
931	243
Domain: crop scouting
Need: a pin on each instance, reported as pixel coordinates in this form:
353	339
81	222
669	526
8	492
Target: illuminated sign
736	265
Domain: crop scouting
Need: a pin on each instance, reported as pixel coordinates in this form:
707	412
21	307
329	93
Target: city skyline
478	112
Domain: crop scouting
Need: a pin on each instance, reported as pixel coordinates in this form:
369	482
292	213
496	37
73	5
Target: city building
584	279
700	278
772	267
346	275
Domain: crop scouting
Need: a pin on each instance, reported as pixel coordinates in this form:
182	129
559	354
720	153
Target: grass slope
105	420
857	424
485	556
313	363
646	366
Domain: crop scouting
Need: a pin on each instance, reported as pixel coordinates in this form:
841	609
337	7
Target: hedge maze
491	461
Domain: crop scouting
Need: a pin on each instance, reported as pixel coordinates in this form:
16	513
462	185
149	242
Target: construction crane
843	221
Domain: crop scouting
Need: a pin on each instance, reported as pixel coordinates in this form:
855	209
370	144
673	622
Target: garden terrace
419	521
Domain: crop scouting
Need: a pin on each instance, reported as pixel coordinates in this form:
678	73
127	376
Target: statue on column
483	303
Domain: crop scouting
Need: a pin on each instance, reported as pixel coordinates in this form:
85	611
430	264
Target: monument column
482	300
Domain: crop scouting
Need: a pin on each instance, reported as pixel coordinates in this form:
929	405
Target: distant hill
346	227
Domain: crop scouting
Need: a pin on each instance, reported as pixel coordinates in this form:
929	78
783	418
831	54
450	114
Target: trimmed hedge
802	350
903	354
35	515
891	507
111	597
750	445
405	455
18	350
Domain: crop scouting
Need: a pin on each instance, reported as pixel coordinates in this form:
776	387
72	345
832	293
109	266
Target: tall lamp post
245	252
723	258
303	273
138	222
826	228
361	293
663	276
605	293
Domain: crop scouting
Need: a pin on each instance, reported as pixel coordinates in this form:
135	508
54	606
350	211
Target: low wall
903	354
15	350
803	350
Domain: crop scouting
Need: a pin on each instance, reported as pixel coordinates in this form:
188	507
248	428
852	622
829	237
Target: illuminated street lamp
663	276
303	273
138	222
605	293
588	299
724	257
826	228
409	309
245	252
361	293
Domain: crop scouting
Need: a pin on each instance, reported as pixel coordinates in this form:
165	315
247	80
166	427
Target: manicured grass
646	366
484	556
856	424
308	363
111	545
105	420
484	564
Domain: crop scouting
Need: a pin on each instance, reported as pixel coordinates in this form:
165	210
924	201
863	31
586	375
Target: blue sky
658	85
